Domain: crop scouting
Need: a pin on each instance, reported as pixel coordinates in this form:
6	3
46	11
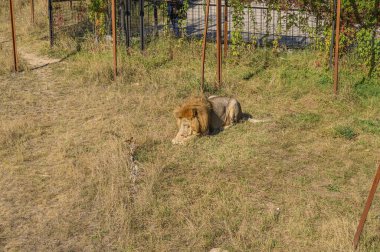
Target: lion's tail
251	120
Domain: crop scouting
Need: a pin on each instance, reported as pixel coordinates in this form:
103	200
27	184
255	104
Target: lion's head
192	119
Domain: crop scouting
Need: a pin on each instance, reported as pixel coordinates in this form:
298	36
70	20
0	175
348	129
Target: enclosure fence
139	21
67	16
259	24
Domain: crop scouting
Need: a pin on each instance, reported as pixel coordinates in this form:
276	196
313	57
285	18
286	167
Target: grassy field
297	183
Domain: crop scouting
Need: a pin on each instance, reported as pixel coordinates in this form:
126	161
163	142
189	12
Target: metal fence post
128	23
204	45
367	207
32	11
332	35
155	17
226	27
51	31
113	20
218	41
123	19
15	60
142	25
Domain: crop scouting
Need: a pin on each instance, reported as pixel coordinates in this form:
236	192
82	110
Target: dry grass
297	183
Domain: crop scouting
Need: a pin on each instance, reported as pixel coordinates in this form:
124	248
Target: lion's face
188	128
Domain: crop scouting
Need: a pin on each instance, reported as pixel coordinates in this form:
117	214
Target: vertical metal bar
51	31
218	41
367	207
316	26
122	17
273	24
292	36
148	17
261	24
32	11
267	21
164	12
15	60
200	9
142	25
332	35
155	14
225	28
128	32
249	35
204	45
254	23
336	58
114	38
192	19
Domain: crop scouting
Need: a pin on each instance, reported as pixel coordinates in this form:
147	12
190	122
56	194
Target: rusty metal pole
204	45
367	207
336	57
32	11
218	41
114	39
225	28
15	60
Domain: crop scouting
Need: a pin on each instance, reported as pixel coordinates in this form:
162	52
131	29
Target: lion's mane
196	108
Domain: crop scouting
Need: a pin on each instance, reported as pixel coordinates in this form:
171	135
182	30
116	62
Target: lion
199	116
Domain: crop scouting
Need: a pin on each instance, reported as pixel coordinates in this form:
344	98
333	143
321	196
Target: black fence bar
142	24
129	20
51	31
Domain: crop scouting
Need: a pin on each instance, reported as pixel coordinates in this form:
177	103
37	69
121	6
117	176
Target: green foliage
368	47
238	24
360	12
183	21
97	13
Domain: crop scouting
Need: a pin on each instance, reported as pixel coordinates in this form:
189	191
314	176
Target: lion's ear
195	112
177	113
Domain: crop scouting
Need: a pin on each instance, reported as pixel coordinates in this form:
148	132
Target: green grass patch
345	132
369	126
301	121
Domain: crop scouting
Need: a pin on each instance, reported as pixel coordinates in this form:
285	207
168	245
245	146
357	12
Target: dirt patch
35	61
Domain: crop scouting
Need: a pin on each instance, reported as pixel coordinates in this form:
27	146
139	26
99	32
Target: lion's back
225	111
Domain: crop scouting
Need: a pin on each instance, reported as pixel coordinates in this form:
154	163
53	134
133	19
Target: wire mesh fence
138	21
260	24
69	17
